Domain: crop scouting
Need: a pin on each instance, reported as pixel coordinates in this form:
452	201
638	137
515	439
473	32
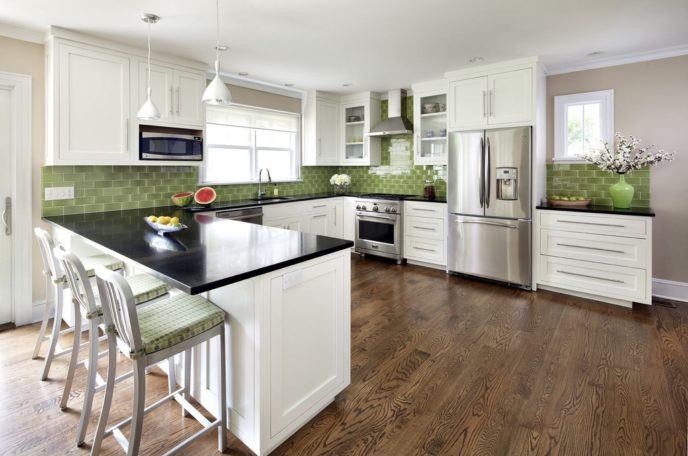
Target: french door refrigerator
489	203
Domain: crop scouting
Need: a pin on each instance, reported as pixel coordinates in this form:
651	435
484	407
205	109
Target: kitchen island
287	296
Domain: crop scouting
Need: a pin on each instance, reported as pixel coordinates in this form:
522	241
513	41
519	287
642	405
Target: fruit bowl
164	229
569	203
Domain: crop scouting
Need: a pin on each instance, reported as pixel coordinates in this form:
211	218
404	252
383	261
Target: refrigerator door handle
476	222
481	181
488	176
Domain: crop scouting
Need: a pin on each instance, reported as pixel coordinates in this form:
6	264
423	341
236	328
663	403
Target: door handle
491	98
126	134
178	100
481	183
484	103
319	153
7	216
489	175
171	101
475	222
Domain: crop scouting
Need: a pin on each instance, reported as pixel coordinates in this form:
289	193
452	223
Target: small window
241	140
582	122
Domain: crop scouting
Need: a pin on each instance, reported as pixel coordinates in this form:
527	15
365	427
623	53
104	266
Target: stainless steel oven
378	226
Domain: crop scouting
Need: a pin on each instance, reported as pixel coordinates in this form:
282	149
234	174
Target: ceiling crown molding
633	57
24	34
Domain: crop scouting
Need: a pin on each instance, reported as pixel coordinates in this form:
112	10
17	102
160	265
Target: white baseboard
668	289
37	310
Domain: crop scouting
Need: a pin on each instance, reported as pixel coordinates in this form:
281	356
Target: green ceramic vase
621	193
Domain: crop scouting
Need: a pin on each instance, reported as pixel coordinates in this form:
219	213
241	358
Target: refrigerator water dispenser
507	183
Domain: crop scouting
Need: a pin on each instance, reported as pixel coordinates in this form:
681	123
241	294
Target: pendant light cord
149	56
217	33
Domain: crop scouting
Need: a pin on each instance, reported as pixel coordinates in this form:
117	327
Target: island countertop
210	254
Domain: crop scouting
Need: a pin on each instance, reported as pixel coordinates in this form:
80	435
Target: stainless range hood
396	122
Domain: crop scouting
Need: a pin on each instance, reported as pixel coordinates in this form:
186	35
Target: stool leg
46	317
171	375
107	400
90	382
139	405
73	359
57	322
187	379
222	406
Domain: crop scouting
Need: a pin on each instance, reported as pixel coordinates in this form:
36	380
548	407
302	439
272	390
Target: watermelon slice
182	199
205	195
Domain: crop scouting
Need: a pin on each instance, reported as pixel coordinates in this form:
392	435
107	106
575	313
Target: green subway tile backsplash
589	181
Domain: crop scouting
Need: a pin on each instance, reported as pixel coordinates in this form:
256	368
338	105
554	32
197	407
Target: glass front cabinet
358	115
430	123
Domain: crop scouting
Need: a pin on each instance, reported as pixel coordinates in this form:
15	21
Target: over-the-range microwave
176	144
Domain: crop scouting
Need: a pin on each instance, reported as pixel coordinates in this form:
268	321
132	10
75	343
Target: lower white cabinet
601	256
288	345
320	216
425	232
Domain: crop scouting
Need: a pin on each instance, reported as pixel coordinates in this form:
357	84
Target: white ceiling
372	44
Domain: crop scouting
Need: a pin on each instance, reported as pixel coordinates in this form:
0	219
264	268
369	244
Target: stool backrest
119	309
77	279
46	244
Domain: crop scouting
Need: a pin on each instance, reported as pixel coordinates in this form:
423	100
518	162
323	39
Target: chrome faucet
261	193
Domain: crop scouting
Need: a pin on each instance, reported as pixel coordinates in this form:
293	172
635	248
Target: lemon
152	219
164	220
174	220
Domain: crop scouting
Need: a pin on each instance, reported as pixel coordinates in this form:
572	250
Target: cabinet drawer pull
420	209
424	249
591	248
319	205
424	228
320	216
590	276
592	223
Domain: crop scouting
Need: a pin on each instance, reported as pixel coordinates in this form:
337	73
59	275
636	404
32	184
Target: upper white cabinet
357	114
94	90
176	93
430	123
89	112
496	95
320	130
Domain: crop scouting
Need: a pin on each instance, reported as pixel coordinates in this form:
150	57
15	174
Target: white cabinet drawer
427	250
594	278
321	205
282	210
594	223
425	228
623	251
422	209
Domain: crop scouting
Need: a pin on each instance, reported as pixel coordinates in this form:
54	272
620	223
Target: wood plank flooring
441	365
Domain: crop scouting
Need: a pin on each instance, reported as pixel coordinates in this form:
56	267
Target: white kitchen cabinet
89	111
606	257
358	113
425	233
430	123
323	217
320	130
349	218
495	98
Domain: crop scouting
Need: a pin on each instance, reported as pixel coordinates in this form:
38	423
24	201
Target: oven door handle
375	218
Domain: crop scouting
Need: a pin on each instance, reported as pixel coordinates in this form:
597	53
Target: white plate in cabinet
425	250
622	251
422	209
594	278
594	223
425	228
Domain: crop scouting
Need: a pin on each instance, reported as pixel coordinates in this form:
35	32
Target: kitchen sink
272	198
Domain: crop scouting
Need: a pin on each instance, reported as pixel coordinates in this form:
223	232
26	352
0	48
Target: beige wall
27	58
651	103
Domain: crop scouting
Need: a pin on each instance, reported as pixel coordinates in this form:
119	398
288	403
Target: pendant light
149	111
217	92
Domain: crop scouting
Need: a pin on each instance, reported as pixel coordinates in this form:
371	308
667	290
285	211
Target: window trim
253	149
561	102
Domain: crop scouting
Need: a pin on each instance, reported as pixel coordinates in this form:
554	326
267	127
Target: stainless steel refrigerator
489	203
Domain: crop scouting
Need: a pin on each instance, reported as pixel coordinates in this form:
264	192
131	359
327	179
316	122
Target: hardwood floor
440	366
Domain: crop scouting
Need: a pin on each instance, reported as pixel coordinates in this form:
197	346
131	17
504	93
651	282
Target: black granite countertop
211	253
640	211
438	199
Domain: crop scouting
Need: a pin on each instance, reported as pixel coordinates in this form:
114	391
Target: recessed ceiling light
288	84
595	53
221	47
346	84
242	73
475	59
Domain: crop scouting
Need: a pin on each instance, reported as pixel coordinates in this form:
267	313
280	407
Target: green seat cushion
145	287
92	262
169	322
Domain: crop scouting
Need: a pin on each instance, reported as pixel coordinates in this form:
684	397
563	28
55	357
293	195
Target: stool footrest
150	408
189	440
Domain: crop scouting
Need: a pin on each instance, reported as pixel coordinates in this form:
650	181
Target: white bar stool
148	335
55	286
145	288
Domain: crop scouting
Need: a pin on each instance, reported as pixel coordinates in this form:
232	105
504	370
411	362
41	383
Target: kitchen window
582	122
240	140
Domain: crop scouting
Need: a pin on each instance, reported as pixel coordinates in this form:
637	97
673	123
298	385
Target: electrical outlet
59	193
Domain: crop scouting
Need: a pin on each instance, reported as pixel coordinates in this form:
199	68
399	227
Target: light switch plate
59	193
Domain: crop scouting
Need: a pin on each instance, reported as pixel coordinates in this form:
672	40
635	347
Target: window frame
561	104
253	149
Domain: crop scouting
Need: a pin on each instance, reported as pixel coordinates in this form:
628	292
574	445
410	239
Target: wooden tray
563	203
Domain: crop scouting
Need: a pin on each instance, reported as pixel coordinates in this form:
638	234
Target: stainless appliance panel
465	176
378	235
507	165
493	248
247	214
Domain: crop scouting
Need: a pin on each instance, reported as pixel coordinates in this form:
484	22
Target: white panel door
319	223
5	191
306	340
468	103
511	97
162	90
188	107
93	106
327	121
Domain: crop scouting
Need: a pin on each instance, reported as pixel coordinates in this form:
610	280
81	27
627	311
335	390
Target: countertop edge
634	211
